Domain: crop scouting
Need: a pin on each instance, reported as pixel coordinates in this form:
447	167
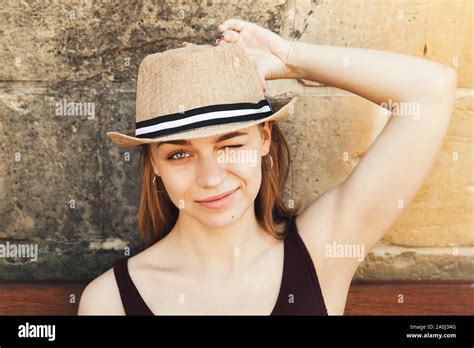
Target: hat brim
127	138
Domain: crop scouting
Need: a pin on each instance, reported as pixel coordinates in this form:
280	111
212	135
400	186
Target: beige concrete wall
90	51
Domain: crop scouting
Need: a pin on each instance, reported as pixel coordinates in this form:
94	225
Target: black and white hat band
202	117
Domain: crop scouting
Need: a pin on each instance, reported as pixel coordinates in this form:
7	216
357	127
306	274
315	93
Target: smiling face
200	169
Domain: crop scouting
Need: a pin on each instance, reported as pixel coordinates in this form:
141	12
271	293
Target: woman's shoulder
101	296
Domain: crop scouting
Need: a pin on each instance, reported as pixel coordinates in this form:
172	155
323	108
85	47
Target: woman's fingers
235	24
221	42
230	36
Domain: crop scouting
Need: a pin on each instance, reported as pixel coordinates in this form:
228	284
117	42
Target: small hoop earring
271	161
159	191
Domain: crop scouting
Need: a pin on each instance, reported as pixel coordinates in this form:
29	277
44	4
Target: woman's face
197	169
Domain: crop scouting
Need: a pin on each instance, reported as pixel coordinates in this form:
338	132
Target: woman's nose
211	172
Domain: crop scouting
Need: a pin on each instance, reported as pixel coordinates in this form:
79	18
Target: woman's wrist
284	51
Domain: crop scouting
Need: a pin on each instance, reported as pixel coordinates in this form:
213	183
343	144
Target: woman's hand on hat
267	51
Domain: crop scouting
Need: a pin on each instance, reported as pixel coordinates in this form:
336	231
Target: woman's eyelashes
173	157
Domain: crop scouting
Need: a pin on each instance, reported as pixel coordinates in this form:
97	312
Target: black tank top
300	293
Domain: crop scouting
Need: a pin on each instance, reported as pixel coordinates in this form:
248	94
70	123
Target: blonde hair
158	214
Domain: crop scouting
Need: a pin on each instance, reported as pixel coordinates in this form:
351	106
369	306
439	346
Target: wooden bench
368	298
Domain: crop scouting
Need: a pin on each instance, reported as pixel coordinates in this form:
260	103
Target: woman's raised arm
420	93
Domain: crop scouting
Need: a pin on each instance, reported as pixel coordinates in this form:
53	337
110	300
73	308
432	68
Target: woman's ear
154	165
266	132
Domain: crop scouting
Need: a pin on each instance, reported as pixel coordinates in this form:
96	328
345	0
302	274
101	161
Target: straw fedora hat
196	91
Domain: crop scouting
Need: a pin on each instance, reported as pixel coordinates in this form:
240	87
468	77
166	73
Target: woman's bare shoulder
101	296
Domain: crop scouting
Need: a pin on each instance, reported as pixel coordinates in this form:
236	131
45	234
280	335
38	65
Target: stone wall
67	189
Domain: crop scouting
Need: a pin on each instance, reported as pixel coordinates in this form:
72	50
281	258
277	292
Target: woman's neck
224	250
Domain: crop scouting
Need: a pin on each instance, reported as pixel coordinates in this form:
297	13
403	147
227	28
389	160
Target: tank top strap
300	292
132	301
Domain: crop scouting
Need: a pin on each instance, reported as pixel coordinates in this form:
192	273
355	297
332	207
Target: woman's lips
219	203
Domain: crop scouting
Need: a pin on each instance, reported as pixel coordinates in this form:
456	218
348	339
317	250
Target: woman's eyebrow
230	135
187	142
175	142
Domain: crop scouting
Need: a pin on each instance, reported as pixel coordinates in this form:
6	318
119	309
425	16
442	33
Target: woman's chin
221	218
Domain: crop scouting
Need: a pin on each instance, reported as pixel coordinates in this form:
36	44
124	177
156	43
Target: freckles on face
204	169
193	181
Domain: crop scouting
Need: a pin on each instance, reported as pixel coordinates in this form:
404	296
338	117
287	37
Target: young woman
249	253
